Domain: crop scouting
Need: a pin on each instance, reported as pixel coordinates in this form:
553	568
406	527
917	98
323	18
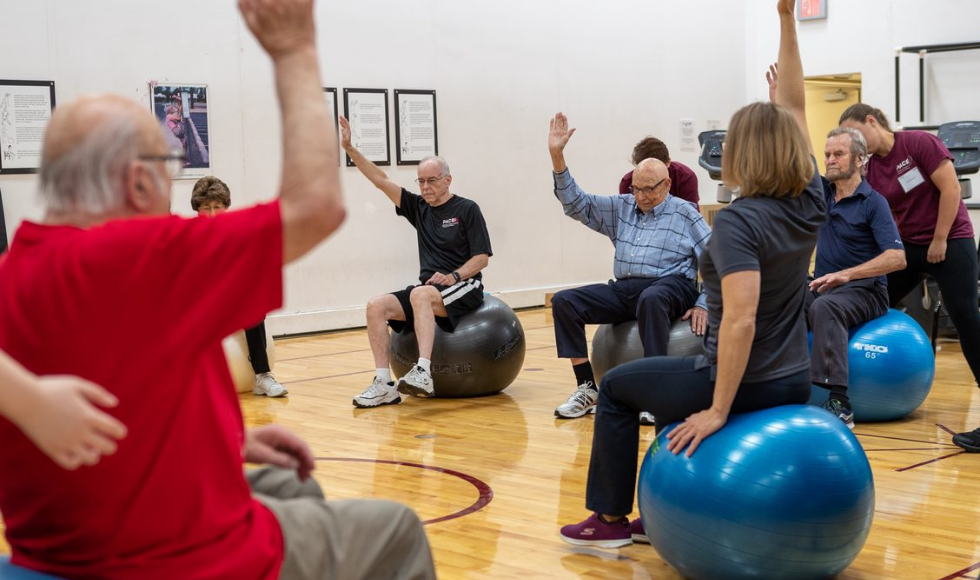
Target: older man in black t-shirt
454	247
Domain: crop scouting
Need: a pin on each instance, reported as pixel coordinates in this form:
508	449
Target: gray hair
89	177
859	147
443	166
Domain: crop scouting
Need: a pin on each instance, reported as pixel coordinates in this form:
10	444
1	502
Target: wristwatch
456	276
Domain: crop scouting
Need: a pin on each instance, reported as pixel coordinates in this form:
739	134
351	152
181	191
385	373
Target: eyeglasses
173	163
430	181
647	190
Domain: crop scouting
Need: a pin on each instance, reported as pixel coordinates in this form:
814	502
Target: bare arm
60	414
944	177
471	268
888	261
740	292
311	200
790	92
375	174
558	136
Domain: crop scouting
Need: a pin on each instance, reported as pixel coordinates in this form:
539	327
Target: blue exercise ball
891	366
783	493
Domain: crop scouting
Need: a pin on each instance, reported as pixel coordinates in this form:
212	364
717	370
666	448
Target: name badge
911	179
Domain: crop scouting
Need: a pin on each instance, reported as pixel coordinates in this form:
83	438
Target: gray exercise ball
615	344
482	357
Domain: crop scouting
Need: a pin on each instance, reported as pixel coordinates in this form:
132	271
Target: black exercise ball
615	344
482	357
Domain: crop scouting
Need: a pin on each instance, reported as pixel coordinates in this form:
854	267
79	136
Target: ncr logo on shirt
450	223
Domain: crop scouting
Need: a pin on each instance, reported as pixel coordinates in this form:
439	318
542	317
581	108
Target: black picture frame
408	157
330	93
7	126
3	227
351	98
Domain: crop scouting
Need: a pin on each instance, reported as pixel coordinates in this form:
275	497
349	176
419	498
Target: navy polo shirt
858	228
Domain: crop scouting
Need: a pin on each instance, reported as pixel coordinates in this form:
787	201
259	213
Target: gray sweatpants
343	539
830	315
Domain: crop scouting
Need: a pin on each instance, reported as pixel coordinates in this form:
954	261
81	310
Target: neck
847	187
81	219
440	201
887	143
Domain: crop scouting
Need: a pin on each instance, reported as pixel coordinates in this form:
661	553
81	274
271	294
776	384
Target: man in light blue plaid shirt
658	240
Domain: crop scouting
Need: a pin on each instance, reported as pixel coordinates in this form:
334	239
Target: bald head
88	146
651	182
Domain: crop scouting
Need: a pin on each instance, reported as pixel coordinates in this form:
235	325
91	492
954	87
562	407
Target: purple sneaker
595	532
639	535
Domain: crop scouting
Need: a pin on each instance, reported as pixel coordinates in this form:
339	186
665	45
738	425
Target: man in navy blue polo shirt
856	247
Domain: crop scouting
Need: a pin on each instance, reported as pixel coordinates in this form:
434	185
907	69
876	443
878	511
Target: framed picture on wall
25	109
367	112
183	114
416	134
330	95
3	227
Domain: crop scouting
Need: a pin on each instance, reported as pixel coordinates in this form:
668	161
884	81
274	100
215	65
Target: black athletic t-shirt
775	237
449	235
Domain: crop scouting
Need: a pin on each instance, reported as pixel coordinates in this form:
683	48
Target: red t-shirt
903	177
140	306
683	183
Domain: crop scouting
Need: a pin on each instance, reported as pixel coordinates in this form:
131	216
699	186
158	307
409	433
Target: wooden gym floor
495	477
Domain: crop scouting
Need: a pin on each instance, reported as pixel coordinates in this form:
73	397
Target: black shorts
459	299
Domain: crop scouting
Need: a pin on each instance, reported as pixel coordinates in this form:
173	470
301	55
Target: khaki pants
344	539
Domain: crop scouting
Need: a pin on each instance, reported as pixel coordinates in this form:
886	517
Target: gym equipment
712	145
482	357
783	493
962	138
615	344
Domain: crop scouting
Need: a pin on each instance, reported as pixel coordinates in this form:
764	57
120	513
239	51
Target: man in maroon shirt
683	181
112	288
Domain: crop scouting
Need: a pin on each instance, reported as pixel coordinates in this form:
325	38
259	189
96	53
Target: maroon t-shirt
683	183
903	178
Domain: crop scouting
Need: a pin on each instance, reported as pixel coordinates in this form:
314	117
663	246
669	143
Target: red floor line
962	572
905	439
930	461
331	376
945	428
902	449
324	354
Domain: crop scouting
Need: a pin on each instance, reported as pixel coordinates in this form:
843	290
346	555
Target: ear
449	180
870	120
139	187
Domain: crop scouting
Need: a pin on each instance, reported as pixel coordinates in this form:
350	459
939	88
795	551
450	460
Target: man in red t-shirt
683	181
110	287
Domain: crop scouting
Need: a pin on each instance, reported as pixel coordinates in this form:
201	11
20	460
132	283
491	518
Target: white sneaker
266	384
647	419
581	402
417	382
377	394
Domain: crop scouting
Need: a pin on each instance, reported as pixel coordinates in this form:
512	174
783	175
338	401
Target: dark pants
830	315
255	337
956	277
654	302
672	388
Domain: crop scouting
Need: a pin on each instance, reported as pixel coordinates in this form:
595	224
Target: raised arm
311	201
558	136
375	174
790	92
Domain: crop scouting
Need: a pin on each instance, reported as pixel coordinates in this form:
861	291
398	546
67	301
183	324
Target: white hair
89	177
443	166
859	147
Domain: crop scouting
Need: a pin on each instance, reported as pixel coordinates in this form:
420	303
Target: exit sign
811	9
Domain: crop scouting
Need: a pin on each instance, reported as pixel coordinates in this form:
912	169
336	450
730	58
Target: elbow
900	262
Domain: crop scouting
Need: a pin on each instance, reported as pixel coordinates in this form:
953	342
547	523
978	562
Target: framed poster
25	109
330	95
367	112
416	132
183	114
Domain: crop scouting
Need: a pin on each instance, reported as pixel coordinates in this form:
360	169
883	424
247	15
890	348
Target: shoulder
681	169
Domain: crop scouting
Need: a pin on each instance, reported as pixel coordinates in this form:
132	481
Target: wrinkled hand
65	423
281	26
937	251
275	445
694	430
441	279
829	281
771	77
699	320
344	132
559	133
786	7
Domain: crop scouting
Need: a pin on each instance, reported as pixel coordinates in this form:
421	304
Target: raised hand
281	26
771	78
64	421
559	133
344	132
786	7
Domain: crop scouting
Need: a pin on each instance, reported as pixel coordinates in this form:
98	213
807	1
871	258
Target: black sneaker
843	412
970	441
